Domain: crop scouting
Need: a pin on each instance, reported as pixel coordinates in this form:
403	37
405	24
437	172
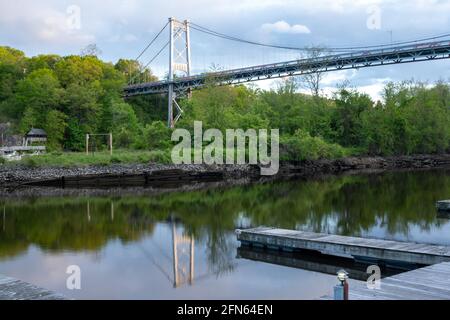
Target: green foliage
71	159
156	136
40	92
55	127
302	146
75	136
29	161
347	117
414	119
75	95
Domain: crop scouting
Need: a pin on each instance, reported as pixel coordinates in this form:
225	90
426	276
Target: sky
122	28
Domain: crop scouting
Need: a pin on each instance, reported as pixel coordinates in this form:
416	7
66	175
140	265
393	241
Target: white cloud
128	37
57	28
333	78
44	25
284	27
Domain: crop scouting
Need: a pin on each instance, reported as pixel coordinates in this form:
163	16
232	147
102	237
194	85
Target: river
182	245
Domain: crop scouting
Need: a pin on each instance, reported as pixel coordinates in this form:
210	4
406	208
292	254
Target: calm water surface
183	246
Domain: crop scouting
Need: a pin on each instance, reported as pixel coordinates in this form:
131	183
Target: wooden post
346	290
87	144
110	143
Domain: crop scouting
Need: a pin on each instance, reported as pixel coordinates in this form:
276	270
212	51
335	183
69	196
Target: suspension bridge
180	81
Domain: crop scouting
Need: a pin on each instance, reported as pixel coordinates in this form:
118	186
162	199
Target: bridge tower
179	61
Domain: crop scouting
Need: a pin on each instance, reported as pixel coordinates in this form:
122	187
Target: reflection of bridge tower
183	254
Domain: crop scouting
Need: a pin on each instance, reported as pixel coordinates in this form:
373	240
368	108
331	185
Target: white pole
110	143
87	144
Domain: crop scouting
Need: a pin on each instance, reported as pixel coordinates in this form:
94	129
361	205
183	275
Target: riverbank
18	176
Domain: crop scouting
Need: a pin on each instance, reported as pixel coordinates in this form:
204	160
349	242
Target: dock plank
389	250
419	284
14	289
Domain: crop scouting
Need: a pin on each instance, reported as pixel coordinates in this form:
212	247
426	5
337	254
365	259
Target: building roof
36	132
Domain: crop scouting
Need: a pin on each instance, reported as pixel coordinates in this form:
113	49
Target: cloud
41	25
284	27
57	27
333	78
123	27
128	37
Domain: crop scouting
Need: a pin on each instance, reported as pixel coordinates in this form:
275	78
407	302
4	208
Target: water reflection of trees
68	224
348	205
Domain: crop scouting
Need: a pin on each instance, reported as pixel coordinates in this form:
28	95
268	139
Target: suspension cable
336	49
151	60
151	42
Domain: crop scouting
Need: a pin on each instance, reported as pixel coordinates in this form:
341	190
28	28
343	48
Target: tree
91	50
313	78
156	136
347	116
79	70
43	61
134	71
39	93
12	69
81	103
55	127
125	125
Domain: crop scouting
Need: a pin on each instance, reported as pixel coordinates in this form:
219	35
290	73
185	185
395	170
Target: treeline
414	118
68	97
74	95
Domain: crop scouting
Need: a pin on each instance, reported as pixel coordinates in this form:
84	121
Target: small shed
34	135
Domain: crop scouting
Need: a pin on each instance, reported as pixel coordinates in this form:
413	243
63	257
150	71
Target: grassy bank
74	159
312	149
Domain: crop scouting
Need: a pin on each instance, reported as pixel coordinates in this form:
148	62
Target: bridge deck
377	249
428	283
13	289
420	51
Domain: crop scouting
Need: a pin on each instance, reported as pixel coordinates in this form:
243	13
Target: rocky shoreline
13	177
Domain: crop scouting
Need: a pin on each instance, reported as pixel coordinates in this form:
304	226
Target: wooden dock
428	283
14	289
359	248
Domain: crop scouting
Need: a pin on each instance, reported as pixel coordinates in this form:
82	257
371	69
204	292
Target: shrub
157	136
302	146
115	159
159	156
30	161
